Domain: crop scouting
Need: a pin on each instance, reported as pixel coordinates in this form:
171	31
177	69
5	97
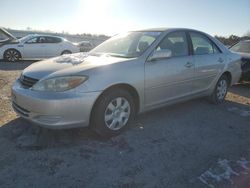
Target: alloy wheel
221	89
12	55
117	113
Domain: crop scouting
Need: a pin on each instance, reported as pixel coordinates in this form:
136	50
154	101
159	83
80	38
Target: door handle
220	60
188	64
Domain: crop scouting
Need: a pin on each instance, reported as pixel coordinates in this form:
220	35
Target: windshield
243	47
127	45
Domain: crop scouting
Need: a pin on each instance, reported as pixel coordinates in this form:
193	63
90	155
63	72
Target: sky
109	17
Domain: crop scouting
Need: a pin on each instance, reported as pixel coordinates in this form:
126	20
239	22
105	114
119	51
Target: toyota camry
128	74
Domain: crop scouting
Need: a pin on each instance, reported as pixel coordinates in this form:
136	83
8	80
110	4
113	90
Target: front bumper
54	110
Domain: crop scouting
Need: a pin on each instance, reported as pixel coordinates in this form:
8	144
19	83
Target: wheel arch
134	93
229	76
70	52
12	49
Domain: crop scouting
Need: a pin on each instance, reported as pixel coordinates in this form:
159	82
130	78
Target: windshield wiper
118	55
109	54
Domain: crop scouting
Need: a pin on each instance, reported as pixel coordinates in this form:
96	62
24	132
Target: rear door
53	46
209	61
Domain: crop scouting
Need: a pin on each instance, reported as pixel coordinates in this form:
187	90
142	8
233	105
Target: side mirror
162	54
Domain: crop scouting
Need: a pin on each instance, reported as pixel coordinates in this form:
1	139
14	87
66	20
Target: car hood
9	36
72	64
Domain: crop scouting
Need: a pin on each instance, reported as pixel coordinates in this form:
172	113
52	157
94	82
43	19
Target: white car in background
33	46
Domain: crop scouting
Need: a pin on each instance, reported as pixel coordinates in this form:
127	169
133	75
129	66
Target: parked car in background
243	48
127	74
85	46
33	46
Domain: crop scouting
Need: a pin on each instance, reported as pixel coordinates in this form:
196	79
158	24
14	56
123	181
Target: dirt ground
192	144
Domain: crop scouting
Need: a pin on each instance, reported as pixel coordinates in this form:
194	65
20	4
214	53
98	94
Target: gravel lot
193	144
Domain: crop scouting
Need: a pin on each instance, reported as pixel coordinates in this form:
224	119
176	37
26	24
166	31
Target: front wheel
12	55
113	112
220	91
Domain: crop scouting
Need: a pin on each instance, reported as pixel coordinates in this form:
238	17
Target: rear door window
202	45
52	40
42	40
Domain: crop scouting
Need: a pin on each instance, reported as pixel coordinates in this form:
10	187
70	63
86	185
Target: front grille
20	110
27	82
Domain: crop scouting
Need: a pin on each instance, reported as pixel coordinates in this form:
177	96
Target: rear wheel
12	55
220	91
112	112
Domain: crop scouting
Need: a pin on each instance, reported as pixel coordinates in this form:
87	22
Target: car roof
164	29
41	35
154	29
50	36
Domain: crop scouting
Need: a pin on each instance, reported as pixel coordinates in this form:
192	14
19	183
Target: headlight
59	83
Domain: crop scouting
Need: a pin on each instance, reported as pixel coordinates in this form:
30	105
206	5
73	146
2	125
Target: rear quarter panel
233	62
234	66
69	46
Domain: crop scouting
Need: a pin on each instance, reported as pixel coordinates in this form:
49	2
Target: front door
33	48
171	78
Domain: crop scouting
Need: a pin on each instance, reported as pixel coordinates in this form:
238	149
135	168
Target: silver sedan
128	74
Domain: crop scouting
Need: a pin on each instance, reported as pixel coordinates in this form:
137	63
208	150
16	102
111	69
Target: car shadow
20	65
189	137
27	136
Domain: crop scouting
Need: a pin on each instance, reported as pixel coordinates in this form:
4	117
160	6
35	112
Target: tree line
232	39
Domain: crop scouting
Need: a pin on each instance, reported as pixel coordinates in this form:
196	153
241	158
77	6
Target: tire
108	117
66	52
12	55
220	90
